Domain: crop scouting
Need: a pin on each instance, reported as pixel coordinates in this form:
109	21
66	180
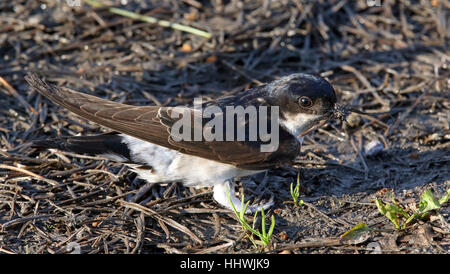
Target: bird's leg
220	195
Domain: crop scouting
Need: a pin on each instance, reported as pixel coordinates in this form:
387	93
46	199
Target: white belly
169	165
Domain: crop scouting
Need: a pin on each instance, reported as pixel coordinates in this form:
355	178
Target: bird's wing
154	124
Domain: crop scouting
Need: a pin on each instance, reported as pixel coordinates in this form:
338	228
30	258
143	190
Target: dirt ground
389	60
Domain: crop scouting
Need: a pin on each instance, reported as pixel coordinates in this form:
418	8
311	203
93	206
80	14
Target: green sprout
401	218
264	237
295	191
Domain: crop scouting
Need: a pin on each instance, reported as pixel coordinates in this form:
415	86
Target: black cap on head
302	93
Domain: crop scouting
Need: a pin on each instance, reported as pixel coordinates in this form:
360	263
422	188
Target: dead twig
26	219
32	174
12	92
159	217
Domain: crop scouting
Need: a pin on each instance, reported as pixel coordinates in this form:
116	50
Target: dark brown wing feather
144	122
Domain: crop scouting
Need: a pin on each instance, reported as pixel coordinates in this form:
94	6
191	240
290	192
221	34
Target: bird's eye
305	102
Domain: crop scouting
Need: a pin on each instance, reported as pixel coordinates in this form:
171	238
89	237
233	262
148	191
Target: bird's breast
168	165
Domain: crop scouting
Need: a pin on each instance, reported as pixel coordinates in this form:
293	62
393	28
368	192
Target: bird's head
304	100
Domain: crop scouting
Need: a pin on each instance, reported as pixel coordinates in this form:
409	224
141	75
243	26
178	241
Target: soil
389	60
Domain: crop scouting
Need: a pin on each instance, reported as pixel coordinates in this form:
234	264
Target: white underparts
168	165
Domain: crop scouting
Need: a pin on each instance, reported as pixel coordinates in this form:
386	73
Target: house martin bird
144	138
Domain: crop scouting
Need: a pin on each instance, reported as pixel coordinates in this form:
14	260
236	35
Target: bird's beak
337	112
319	124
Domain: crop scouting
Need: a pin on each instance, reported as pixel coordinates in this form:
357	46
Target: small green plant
402	217
264	237
356	233
295	192
49	227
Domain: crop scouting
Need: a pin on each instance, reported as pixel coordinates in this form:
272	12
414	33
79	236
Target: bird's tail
108	145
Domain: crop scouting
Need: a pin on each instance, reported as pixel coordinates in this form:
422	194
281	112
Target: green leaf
272	227
391	211
264	237
396	214
394	219
293	193
444	198
356	231
243	208
412	217
254	219
394	209
263	223
380	206
428	202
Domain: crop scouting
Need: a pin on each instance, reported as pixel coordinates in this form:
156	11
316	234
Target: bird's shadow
397	169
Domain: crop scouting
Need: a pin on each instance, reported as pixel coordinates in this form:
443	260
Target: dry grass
391	61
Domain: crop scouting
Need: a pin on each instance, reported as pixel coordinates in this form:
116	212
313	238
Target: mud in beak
340	112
